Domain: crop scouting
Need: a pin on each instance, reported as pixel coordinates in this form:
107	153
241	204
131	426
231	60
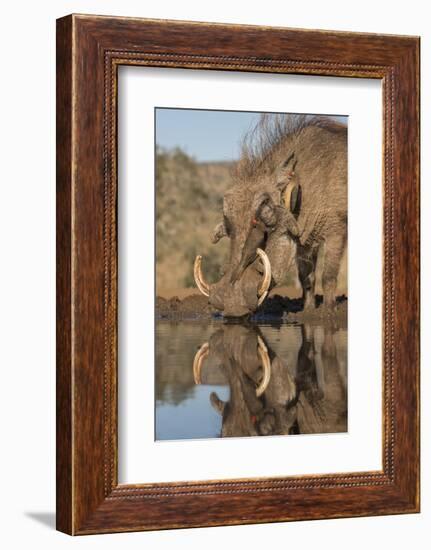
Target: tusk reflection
266	365
203	352
199	358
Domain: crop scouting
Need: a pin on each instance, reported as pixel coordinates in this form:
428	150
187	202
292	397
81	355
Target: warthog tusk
266	365
201	354
199	279
266	282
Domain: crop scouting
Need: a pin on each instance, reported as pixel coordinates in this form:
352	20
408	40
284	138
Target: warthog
268	396
287	201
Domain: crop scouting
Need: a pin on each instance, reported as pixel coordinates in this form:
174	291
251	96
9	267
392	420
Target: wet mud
276	307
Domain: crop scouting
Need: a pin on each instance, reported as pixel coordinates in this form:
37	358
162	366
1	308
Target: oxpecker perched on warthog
288	202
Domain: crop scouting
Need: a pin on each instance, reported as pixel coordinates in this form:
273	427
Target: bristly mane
262	143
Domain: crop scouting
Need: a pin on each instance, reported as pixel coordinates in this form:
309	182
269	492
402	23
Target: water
249	380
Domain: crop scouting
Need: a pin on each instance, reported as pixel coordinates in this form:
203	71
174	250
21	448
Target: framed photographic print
237	274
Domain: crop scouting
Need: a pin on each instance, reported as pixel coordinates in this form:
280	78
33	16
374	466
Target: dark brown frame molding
89	51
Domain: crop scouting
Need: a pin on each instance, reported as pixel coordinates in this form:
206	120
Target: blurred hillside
189	204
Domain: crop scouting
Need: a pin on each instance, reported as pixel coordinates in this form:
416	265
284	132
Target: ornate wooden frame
89	51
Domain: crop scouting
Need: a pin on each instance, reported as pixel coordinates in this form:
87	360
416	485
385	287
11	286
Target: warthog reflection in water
268	396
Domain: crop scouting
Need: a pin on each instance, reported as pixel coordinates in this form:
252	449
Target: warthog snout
240	291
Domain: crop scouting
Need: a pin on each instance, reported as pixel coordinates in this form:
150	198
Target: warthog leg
307	259
334	248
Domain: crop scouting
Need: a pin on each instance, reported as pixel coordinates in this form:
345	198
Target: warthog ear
295	199
291	194
287	183
217	403
219	232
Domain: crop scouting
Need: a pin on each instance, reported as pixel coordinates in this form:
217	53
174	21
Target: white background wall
27	305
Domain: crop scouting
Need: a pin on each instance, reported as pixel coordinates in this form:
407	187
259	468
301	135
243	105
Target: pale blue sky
205	135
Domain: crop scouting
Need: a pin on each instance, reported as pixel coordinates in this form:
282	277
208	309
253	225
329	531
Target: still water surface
227	380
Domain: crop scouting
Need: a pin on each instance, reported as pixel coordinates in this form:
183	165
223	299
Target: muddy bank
275	308
192	307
